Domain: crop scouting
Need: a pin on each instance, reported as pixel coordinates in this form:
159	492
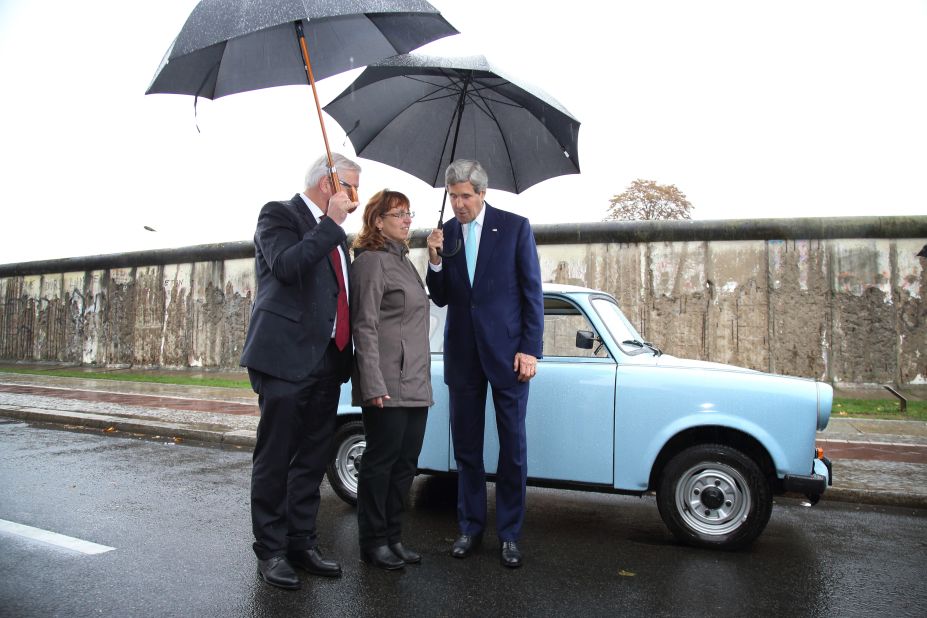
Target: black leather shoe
466	544
406	555
382	557
510	554
311	561
276	571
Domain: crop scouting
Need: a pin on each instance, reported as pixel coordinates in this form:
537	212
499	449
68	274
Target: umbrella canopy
418	113
230	46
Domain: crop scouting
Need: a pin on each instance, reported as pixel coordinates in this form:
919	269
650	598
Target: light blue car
610	412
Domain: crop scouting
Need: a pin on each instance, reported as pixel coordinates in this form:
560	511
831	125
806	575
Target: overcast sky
752	109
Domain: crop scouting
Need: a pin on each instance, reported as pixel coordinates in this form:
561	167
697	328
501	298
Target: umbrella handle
456	249
454	252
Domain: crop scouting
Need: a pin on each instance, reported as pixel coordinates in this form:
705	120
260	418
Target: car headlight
825	401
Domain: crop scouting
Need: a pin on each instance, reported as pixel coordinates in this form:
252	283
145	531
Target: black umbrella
418	113
230	46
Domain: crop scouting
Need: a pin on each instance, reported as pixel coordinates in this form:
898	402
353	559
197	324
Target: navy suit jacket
297	291
501	313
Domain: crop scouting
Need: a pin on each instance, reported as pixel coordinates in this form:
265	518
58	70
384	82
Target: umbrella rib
440	92
425	98
480	89
458	111
479	95
452	89
429	97
478	98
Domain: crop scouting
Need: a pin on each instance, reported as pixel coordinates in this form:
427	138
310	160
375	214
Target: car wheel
345	466
712	495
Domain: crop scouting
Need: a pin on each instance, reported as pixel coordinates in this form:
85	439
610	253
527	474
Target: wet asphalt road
178	518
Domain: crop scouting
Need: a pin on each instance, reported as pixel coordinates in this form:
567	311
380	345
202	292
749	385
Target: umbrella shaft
459	113
336	183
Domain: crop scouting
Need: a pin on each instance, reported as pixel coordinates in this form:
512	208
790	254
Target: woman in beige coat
392	374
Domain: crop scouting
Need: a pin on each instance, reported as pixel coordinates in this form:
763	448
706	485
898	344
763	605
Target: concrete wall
834	299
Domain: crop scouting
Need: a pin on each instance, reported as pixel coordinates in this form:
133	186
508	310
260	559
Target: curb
247	438
874	497
237	437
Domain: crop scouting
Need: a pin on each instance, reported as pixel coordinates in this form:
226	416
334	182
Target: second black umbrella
418	113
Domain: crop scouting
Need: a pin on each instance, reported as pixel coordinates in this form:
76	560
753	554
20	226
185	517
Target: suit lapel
488	239
305	216
454	233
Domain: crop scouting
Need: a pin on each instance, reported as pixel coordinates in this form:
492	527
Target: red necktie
342	319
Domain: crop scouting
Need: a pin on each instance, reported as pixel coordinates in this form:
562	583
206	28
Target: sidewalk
875	461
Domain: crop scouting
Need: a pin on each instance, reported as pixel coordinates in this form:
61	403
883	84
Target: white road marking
53	538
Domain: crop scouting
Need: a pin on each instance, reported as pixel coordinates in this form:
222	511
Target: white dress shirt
464	232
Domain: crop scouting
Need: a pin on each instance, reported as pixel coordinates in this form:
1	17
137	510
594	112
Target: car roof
562	288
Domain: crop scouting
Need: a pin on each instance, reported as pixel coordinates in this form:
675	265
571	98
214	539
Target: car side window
436	328
562	320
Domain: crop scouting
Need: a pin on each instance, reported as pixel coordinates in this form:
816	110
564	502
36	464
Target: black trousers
293	448
394	441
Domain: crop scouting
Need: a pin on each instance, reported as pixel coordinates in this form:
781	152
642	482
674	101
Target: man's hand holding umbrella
340	204
435	241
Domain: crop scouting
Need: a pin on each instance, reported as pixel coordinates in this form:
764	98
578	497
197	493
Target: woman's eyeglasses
400	215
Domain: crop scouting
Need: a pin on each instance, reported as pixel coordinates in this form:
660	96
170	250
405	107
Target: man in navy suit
298	353
493	333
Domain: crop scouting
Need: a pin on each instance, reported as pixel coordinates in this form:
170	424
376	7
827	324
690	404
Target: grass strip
888	409
183	379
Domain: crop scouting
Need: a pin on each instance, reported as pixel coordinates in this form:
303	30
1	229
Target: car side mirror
585	339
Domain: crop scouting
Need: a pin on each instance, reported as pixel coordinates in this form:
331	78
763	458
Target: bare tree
646	200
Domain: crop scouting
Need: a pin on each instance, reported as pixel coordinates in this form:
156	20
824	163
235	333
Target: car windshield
620	328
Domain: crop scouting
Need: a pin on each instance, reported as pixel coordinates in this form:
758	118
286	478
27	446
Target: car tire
715	496
344	467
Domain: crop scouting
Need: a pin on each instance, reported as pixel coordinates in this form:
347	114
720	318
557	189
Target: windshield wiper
656	351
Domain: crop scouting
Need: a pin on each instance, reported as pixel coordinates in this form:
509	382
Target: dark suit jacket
502	313
297	291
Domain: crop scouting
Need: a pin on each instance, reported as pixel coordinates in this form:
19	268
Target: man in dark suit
298	353
493	333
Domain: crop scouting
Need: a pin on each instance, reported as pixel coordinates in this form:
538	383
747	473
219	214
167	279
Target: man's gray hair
319	168
467	170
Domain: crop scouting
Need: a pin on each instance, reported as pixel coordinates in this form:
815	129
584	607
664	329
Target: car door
571	414
437	453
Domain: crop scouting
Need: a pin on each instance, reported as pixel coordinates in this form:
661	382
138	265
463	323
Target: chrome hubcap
713	498
348	461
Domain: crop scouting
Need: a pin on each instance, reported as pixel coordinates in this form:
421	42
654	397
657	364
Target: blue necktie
471	250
